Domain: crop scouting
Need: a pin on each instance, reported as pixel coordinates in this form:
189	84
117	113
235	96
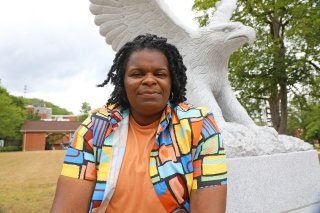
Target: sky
52	50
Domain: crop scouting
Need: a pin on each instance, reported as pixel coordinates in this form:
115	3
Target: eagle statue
206	52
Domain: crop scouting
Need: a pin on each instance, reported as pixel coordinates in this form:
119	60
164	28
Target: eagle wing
122	20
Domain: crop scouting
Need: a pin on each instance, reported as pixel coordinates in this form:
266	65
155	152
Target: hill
56	110
21	102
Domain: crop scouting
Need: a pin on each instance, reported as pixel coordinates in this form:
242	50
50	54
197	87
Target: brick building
46	135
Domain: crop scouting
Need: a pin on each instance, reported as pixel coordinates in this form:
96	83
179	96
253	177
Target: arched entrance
56	141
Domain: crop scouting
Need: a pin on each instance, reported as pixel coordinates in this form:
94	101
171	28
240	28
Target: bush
10	148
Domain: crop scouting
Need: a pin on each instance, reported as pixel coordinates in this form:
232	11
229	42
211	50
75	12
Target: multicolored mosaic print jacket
188	152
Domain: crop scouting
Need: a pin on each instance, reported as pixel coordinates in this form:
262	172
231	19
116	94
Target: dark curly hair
153	42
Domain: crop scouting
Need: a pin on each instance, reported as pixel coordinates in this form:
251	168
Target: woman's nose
149	79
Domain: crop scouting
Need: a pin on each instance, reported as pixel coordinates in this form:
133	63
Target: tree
284	61
11	116
32	116
85	109
53	139
305	114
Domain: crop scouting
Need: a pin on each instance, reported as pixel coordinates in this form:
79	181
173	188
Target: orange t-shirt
134	190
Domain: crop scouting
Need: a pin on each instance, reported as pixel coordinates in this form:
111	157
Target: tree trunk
278	102
274	109
278	99
282	129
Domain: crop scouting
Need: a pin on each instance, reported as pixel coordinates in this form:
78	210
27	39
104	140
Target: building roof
50	126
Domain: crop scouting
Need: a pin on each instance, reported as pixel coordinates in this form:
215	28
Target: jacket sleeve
209	161
79	161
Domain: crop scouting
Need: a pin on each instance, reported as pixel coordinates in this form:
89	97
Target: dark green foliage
282	65
10	148
82	117
30	116
305	113
205	8
53	138
11	116
85	109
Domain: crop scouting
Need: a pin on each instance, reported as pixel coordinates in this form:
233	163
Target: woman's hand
209	200
72	195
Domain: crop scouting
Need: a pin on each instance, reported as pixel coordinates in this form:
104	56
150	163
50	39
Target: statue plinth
287	182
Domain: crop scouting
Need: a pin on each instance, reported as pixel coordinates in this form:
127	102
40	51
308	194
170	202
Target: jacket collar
116	114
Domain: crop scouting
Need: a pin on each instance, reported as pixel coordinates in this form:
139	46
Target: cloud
55	50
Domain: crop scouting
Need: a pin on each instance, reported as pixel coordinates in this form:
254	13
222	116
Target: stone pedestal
288	182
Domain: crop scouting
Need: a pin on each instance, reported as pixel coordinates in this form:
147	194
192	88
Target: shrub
10	148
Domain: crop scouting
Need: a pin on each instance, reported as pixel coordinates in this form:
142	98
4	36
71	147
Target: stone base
288	182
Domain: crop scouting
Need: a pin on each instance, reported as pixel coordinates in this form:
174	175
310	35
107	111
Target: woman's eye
161	74
136	74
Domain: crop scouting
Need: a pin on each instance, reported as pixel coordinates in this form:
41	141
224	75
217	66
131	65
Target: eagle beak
243	32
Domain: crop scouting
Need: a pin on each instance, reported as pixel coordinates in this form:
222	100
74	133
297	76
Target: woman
147	151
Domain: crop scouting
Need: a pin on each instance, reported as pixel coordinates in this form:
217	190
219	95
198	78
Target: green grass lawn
28	180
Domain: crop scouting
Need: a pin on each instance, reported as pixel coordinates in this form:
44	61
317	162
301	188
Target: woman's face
147	83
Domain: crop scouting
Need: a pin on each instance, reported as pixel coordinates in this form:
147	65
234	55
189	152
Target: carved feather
122	20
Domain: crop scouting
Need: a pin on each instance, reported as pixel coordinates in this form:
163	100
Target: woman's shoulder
101	111
186	110
105	111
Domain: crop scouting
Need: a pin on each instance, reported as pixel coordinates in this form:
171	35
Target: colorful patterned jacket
188	152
